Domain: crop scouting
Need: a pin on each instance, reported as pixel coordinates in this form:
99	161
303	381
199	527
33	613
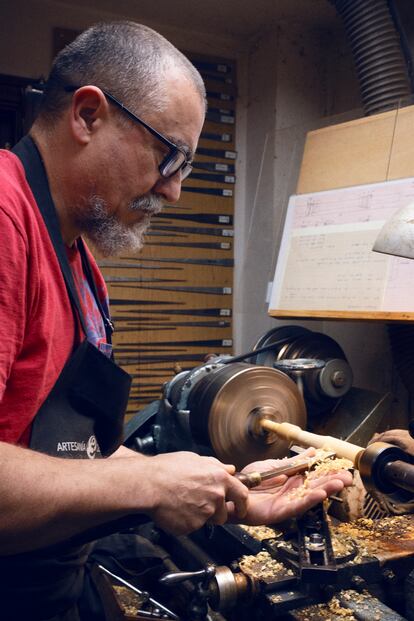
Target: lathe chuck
226	405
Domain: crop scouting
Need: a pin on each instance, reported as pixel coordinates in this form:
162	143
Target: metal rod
141	593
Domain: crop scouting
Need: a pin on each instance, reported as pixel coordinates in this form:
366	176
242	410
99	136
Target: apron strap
26	150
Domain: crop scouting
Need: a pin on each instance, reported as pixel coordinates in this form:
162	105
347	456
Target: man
119	125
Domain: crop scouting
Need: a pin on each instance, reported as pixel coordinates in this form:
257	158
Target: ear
89	111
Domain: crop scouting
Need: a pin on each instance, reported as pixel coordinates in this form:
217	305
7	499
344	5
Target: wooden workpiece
293	433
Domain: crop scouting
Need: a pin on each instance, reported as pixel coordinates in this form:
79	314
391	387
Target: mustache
150	204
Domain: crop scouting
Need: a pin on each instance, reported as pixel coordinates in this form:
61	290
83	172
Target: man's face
125	187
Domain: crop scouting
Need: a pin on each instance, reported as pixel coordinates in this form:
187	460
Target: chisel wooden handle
295	434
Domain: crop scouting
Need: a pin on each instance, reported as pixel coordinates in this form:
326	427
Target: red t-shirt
37	325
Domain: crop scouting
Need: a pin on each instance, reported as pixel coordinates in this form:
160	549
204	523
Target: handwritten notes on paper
326	262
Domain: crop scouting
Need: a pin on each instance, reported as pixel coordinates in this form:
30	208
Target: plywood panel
367	150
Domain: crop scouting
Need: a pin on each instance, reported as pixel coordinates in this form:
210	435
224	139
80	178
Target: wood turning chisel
204	218
173	326
224	192
215	178
111	279
222	153
204	343
296	466
199	312
211	246
123	302
189	230
214	166
134	360
136	266
206	290
189	261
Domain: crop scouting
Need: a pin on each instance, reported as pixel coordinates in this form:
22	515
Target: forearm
45	500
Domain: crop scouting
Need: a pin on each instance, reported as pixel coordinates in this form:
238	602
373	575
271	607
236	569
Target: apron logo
91	447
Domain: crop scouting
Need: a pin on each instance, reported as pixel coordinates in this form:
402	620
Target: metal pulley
225	408
323	385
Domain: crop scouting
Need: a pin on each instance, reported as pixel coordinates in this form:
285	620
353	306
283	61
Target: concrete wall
26	32
298	80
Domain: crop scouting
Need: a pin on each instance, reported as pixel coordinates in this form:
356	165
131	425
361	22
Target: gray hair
129	60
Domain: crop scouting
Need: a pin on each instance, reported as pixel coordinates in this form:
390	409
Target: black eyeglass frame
185	167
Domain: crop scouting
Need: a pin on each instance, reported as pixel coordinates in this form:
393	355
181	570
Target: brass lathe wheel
226	406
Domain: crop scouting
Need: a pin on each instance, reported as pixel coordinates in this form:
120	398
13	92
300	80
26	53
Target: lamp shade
397	235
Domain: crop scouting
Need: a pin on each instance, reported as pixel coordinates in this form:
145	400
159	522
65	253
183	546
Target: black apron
82	417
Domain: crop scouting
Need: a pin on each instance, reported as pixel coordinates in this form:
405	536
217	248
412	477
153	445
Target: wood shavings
369	535
263	566
260	532
322	464
129	601
330	611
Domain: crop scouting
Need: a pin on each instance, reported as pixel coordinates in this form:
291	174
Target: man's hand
398	437
279	499
190	490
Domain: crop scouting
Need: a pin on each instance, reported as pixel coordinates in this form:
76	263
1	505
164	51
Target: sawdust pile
263	566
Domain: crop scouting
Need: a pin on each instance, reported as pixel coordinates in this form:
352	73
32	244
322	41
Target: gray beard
107	233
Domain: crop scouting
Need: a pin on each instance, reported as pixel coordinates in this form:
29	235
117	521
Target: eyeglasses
175	161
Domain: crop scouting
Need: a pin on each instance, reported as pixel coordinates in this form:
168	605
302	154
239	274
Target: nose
169	189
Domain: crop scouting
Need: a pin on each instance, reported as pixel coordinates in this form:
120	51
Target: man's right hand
190	490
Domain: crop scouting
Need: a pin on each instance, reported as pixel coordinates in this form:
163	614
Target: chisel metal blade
214	115
174	326
123	302
225	137
165	373
136	266
189	261
204	218
222	96
226	154
202	312
206	290
202	343
133	359
165	235
226	193
214	166
205	65
111	279
212	245
215	178
150	328
194	230
149	385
